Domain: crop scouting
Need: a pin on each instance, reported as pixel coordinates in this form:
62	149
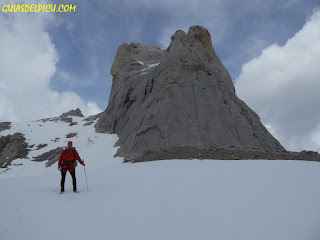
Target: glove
83	164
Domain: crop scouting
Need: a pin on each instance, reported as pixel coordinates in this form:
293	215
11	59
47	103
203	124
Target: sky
53	62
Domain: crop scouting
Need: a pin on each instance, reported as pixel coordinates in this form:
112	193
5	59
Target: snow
140	62
153	65
90	145
176	199
169	199
150	66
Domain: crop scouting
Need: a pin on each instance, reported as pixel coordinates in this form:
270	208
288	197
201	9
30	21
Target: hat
69	143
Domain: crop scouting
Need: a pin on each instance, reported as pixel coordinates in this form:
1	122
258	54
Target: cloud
234	26
205	13
27	64
283	86
168	31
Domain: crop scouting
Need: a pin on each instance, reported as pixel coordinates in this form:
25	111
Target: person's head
70	144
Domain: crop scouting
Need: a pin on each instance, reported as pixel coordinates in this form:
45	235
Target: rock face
76	113
182	97
51	157
66	117
4	126
11	148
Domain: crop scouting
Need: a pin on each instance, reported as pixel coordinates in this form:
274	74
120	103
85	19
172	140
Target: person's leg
63	178
74	180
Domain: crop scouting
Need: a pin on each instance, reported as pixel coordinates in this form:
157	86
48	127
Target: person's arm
60	159
78	158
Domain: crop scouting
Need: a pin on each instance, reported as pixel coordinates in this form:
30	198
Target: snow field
176	199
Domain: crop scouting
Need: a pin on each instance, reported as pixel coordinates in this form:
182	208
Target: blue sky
87	40
53	62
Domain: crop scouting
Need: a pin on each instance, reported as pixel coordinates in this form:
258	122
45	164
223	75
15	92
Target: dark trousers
74	180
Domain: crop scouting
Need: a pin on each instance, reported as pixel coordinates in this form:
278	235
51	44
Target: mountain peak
77	113
195	33
179	103
202	35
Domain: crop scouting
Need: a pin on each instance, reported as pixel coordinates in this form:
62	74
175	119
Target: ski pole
85	173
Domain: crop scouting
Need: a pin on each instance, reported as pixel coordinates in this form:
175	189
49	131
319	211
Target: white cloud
27	63
185	13
316	136
167	32
283	86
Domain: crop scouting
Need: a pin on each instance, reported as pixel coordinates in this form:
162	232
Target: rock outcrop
51	157
179	98
11	148
5	126
76	113
14	146
66	117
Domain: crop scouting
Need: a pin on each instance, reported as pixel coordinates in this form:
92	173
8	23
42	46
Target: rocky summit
180	103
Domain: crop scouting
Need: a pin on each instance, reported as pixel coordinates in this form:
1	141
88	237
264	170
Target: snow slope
173	199
95	148
178	199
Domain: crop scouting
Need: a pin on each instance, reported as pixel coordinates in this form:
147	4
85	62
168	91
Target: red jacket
67	155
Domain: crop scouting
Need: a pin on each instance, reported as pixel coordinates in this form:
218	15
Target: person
66	163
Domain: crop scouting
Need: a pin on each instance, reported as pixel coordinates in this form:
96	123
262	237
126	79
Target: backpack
74	156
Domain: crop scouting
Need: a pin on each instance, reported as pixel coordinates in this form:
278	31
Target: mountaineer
68	162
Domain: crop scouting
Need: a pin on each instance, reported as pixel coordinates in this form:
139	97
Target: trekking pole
85	173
